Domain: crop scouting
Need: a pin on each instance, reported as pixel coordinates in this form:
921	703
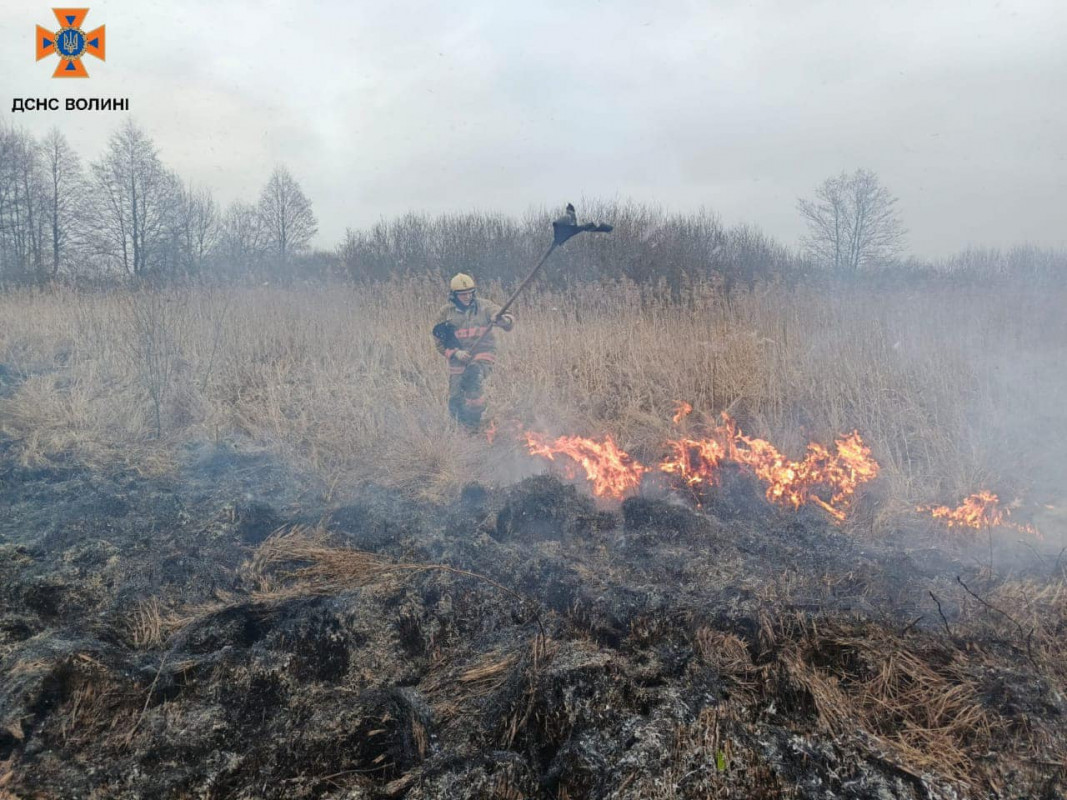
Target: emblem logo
70	43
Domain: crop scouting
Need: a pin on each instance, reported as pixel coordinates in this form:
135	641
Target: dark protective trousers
466	393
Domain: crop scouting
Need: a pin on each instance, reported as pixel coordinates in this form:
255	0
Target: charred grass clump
919	705
569	658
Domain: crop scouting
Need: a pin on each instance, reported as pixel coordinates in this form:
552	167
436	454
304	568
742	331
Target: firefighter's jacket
470	323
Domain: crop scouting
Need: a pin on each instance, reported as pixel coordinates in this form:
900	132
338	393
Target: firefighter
469	317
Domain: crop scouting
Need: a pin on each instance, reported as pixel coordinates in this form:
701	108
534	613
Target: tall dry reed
953	389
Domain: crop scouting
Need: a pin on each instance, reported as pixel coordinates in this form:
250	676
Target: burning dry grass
698	463
978	511
944	387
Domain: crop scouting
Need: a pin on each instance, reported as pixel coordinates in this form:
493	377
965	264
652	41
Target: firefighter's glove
505	321
461	357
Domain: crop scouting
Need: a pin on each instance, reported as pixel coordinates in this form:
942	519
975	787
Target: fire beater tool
563	229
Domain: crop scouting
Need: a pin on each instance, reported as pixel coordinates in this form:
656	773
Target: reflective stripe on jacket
469	324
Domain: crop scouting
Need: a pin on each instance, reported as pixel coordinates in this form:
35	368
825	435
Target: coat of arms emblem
70	42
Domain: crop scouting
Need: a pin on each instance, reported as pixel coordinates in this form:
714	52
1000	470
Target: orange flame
827	479
681	411
978	511
695	461
788	482
611	471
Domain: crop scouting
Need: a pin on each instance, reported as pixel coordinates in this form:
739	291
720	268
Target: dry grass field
320	578
954	389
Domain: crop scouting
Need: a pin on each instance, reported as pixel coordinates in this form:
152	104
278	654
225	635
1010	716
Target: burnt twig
944	619
911	624
148	699
989	605
1007	616
1056	566
1033	550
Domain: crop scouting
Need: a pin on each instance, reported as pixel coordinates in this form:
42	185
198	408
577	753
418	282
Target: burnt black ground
440	685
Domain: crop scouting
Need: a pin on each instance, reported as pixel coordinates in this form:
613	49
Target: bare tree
852	222
137	200
241	239
158	327
64	183
22	207
199	227
286	215
7	201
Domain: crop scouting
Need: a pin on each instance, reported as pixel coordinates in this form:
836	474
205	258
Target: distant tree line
127	216
648	246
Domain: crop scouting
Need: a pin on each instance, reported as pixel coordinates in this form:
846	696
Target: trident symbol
69	42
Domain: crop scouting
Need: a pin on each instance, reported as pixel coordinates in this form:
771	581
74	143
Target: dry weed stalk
300	561
453	689
541	652
7	774
922	712
94	711
730	658
307	561
930	718
1025	609
146	624
487	676
152	624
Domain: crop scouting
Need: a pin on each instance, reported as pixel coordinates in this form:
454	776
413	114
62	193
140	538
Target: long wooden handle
507	305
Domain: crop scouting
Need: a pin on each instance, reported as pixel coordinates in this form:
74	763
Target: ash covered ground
227	633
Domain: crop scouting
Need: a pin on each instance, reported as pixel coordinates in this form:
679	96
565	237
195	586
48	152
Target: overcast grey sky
382	108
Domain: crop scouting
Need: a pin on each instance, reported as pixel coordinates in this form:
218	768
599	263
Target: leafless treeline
648	246
654	248
127	214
